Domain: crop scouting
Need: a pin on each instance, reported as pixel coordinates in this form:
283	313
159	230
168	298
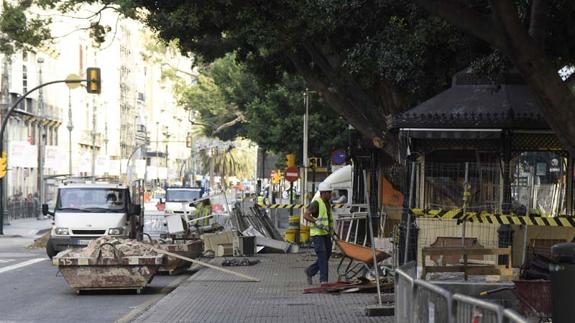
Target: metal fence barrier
418	301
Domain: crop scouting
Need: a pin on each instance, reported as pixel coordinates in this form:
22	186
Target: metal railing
418	301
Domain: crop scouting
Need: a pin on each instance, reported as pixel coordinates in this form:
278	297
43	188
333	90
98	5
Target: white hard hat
324	187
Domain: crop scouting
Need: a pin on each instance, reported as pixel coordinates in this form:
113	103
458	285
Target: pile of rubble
111	247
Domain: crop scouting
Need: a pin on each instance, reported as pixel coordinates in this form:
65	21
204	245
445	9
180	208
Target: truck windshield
91	200
182	195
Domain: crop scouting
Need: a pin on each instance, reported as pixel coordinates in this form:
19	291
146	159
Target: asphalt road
32	290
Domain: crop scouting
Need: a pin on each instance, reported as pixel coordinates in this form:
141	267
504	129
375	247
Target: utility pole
40	136
70	127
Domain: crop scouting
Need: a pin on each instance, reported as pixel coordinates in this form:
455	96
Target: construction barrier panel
493	218
293	206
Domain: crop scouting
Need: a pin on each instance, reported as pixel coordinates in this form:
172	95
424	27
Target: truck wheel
50	251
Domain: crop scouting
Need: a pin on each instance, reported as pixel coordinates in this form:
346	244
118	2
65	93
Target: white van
178	199
86	211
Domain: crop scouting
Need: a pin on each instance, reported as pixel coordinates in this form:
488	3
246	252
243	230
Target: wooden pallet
466	267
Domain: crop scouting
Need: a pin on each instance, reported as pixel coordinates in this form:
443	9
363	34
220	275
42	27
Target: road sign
72	81
292	174
338	157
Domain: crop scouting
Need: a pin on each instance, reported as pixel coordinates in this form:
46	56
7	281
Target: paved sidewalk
27	228
213	296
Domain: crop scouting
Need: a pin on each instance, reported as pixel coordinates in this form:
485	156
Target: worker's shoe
309	277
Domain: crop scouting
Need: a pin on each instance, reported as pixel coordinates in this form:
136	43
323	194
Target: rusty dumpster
187	248
96	268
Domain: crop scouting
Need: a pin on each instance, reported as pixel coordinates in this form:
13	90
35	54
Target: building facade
85	134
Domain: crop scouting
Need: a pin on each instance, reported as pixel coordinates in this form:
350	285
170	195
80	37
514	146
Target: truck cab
87	211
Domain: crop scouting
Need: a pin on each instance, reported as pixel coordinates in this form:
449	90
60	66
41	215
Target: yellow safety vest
322	219
205	212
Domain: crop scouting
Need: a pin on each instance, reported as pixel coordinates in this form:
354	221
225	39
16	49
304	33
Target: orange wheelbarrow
356	259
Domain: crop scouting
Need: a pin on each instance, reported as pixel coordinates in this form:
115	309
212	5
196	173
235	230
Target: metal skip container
97	270
188	248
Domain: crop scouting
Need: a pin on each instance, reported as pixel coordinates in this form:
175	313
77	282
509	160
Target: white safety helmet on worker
324	187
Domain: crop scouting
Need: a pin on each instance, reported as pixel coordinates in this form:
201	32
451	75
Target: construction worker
202	211
320	217
261	200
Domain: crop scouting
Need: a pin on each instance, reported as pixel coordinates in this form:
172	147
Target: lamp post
40	136
305	152
5	108
70	127
167	136
93	139
157	151
128	171
306	96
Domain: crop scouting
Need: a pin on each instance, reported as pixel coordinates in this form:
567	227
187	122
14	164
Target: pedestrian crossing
18	265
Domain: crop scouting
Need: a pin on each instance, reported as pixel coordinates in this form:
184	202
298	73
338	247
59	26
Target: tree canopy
369	59
20	29
232	102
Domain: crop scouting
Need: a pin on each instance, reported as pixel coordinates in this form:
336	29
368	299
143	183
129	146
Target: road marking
20	265
6	260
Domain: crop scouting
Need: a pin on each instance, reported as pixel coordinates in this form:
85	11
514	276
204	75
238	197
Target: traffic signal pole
3	128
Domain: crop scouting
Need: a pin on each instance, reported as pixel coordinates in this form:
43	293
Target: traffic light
94	80
3	165
290	160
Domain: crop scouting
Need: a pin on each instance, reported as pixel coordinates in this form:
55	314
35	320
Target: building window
24	79
29	105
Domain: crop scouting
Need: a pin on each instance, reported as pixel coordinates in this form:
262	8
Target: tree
228	158
232	102
368	59
534	37
17	30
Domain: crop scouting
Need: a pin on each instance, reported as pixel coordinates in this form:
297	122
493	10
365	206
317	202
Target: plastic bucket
304	233
289	235
293	221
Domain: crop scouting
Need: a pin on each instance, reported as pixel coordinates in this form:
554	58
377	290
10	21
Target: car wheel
50	251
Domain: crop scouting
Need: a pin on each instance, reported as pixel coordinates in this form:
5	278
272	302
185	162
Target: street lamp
70	127
305	141
128	162
5	95
40	135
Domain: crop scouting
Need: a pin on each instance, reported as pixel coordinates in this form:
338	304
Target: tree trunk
504	30
354	106
538	21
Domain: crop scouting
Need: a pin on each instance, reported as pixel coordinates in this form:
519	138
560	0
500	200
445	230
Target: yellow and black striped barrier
493	218
292	206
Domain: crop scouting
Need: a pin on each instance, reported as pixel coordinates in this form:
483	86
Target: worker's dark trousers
322	247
